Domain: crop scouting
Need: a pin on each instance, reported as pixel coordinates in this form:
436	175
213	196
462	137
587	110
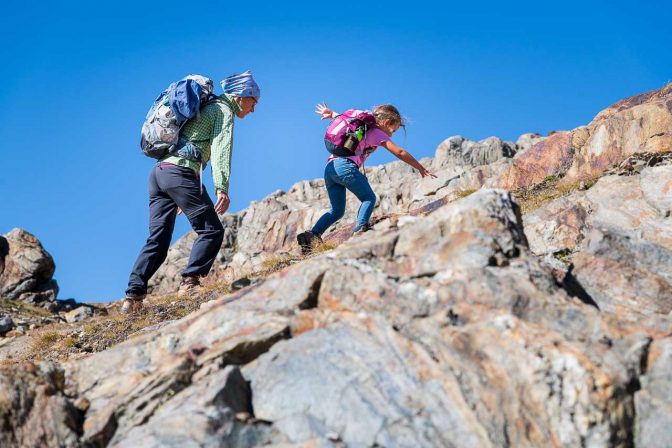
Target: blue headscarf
241	85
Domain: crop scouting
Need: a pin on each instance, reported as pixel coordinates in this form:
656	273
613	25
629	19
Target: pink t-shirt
373	139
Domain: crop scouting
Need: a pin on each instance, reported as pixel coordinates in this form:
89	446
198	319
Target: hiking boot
365	228
308	241
132	303
189	284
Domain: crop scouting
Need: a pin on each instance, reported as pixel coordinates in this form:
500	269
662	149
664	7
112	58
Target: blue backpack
181	101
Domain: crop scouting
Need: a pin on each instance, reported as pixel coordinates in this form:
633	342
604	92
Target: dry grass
324	247
533	197
44	343
464	193
60	341
16	308
277	263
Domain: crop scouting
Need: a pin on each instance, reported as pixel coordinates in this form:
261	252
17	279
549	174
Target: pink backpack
347	130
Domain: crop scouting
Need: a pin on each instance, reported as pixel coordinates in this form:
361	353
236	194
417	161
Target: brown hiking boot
132	303
308	241
189	285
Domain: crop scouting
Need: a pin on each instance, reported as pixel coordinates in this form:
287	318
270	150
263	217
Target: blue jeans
340	174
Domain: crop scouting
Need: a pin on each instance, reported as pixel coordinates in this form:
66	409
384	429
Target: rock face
653	402
621	236
444	331
637	125
26	269
457	322
34	410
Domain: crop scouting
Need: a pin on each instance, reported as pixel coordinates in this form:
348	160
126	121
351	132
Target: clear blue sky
78	77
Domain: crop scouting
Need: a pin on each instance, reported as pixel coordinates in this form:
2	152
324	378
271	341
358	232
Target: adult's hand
222	204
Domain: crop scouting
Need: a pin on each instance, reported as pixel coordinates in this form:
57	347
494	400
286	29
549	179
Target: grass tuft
464	193
551	188
276	263
324	247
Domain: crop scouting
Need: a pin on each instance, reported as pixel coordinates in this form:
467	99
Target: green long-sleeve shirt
212	134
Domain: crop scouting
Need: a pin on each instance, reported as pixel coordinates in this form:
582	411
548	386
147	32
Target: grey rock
625	275
349	380
6	324
202	415
78	314
558	226
653	401
26	268
458	151
526	141
34	410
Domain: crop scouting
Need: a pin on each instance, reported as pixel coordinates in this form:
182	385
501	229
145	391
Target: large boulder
26	269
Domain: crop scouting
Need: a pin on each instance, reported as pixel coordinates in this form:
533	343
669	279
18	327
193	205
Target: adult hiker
351	138
175	184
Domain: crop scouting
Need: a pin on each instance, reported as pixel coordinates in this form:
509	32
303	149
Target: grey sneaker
308	241
365	228
189	284
132	303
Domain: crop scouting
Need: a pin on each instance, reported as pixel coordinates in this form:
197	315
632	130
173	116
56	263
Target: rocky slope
460	321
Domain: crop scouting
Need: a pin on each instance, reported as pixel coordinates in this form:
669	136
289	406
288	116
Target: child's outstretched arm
403	155
323	109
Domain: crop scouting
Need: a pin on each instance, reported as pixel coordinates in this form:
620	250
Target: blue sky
78	77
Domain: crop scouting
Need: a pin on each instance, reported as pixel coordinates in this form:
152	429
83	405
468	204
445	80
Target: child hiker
342	171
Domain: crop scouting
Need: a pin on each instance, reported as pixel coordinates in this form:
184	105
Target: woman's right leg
336	194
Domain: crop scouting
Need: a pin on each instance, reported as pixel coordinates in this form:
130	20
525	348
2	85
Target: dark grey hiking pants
172	186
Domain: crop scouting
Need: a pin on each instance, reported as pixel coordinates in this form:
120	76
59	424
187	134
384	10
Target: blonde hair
385	112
